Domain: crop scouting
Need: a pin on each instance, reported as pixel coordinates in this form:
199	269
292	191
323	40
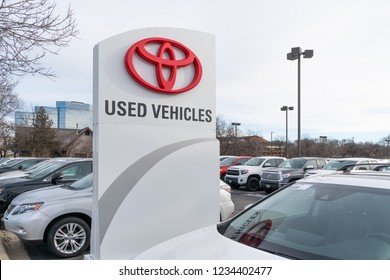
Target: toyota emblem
164	59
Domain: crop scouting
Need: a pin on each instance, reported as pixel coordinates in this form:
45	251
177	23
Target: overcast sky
345	87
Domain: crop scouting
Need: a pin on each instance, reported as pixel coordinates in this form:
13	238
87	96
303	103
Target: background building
66	115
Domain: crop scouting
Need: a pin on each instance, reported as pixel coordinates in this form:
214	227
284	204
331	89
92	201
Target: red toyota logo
165	58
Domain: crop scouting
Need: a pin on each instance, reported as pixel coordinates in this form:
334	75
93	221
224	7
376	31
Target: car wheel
268	191
253	184
68	237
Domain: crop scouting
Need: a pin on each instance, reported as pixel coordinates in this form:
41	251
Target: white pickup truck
249	174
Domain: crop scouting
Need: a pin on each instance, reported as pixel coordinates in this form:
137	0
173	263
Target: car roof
369	179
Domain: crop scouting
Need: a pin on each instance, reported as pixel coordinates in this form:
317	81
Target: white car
226	204
335	216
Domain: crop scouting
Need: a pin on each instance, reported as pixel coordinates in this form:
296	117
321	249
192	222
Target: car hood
15	181
247	167
50	194
13	174
320	171
204	244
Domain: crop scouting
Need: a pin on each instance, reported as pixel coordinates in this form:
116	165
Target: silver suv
59	216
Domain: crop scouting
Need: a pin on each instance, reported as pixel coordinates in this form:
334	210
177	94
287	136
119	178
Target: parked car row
269	173
58	171
52	204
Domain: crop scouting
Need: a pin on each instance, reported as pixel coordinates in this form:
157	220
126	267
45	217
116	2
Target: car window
76	171
46	170
317	221
83	183
228	161
242	161
293	163
311	163
254	162
272	162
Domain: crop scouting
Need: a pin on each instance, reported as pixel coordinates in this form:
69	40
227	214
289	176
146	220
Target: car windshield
293	163
334	165
254	162
38	165
46	170
13	162
83	183
228	161
317	221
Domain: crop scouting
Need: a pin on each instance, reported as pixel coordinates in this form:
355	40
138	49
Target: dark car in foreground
326	217
61	172
289	171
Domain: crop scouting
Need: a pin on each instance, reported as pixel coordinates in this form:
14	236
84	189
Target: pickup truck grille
270	176
233	172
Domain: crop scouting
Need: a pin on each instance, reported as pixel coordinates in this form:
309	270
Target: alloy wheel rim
70	238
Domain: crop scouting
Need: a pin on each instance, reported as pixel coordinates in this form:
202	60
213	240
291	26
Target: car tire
268	191
68	237
253	184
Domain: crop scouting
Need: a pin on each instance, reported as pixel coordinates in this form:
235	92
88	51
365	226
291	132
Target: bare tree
29	29
9	101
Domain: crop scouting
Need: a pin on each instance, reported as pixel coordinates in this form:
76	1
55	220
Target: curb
3	252
11	248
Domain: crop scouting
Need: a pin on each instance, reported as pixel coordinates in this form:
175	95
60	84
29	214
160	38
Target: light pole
235	124
286	108
271	142
323	140
293	55
387	149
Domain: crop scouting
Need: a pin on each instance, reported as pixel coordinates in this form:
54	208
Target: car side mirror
56	177
267	164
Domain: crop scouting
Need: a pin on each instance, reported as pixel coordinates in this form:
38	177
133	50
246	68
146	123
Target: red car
230	161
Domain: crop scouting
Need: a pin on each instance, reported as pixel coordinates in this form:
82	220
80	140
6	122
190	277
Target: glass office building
66	114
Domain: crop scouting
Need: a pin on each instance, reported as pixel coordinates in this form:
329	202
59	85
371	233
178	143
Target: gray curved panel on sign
122	186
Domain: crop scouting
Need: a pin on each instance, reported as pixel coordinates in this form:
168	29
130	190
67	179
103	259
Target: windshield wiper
279	254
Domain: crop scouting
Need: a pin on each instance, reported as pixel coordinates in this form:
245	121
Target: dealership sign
155	152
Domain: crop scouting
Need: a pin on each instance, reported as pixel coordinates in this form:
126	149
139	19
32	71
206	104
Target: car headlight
244	171
28	207
286	175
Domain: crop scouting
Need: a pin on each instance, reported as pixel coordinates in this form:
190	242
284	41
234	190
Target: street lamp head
308	54
290	56
236	123
285	108
296	51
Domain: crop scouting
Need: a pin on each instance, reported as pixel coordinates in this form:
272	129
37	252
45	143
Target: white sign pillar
156	157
